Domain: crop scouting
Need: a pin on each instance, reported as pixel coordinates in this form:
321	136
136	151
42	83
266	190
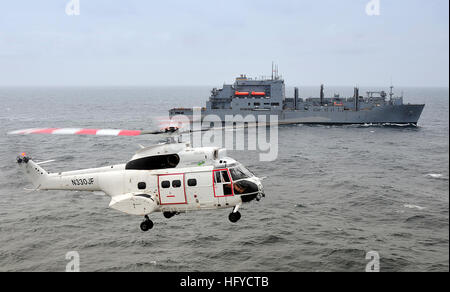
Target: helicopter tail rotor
35	173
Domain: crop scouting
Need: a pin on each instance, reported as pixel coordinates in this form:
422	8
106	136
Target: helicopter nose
249	189
261	188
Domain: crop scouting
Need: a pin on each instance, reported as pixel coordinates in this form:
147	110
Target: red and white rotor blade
79	131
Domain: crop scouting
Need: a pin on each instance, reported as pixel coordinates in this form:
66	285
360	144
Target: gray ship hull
402	114
395	114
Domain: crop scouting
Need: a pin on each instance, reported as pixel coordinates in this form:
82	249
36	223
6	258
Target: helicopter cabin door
223	186
171	189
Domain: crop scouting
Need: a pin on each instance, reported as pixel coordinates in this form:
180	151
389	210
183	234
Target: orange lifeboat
258	93
238	93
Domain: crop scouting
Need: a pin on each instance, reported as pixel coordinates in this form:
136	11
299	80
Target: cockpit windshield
240	172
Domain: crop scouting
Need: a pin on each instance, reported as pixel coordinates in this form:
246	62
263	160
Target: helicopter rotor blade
76	131
171	129
81	131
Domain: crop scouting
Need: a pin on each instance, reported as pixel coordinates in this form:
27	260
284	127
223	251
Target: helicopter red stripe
129	133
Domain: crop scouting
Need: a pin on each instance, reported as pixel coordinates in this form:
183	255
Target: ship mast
272	70
391	92
356	96
322	95
275	75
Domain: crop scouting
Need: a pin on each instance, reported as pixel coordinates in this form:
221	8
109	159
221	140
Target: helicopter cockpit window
165	184
240	172
237	173
247	171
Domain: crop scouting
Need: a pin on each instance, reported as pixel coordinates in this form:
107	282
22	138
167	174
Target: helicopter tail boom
86	180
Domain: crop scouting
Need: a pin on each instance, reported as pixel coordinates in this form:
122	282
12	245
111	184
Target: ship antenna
272	69
391	93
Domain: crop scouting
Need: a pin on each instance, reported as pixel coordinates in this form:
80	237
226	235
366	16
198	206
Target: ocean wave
410	206
416	218
437	176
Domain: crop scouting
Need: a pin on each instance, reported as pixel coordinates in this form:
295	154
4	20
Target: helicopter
171	177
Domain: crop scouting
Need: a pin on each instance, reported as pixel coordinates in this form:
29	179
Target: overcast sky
193	42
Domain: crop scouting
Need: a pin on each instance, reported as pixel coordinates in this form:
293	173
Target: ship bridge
249	94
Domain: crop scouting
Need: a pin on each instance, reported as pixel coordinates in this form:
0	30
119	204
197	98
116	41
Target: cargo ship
267	96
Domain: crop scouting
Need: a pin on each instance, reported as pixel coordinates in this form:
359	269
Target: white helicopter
171	178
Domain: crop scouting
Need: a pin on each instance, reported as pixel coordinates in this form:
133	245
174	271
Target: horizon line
206	85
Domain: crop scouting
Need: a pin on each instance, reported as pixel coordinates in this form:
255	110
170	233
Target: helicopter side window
217	176
165	184
176	183
227	191
142	186
225	177
192	182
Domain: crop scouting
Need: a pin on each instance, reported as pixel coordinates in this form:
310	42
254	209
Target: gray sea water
333	194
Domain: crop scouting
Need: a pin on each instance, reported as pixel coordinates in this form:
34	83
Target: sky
194	42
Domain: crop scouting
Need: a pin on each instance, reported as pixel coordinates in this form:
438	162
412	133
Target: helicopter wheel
234	217
147	224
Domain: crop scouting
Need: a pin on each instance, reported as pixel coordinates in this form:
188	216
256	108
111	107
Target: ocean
334	193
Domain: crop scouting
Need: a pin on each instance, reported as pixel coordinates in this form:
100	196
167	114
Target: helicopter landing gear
147	224
235	215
